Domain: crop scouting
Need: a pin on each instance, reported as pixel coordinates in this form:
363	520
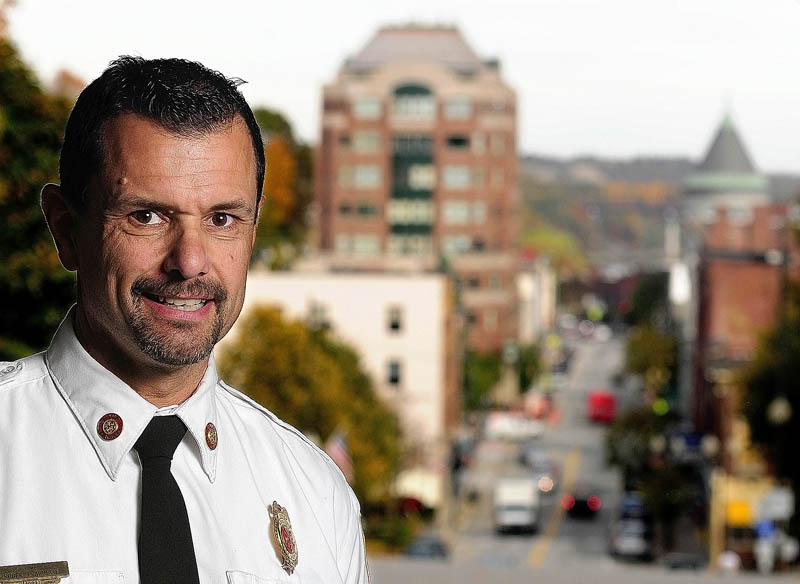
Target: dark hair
184	97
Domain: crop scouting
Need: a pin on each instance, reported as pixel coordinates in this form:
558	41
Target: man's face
164	246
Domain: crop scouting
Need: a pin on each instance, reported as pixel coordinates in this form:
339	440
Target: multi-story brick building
418	160
741	250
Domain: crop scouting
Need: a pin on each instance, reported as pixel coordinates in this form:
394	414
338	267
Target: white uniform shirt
66	493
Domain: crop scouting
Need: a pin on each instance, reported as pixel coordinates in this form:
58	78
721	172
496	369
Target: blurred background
527	271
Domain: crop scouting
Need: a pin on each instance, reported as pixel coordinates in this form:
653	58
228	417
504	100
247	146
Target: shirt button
109	426
211	436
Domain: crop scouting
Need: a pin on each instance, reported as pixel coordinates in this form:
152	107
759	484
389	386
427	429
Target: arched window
413	101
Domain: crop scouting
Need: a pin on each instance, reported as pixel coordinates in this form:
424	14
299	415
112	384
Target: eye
221	220
146	217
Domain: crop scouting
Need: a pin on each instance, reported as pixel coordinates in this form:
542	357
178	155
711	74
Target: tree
32	280
528	366
316	383
560	246
772	394
653	356
481	373
288	182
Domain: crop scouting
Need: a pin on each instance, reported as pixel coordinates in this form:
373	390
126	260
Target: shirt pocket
236	577
95	578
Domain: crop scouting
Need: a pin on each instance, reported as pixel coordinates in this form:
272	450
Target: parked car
684	561
631	539
633	506
429	546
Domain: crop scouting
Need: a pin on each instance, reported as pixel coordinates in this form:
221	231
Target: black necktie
166	552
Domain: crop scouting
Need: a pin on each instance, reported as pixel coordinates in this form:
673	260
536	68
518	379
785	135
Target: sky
615	78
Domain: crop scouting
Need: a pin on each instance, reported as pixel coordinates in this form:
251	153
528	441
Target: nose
187	255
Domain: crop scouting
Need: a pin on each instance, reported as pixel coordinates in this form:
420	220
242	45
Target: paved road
565	550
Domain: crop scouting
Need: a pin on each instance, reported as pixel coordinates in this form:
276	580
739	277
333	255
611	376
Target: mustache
212	289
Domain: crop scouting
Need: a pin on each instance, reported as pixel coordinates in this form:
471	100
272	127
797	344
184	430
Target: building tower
725	179
417	163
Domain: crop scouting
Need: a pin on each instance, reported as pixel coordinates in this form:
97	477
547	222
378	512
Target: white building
402	326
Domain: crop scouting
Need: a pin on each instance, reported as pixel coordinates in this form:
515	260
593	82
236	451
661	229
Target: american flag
336	447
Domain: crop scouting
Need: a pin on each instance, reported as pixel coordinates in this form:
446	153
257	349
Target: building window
494	282
458	142
367	210
366	244
455	212
459	212
421	177
367	108
395	319
412	144
394	372
414	101
410	244
410	211
344	141
478	244
367	176
458	108
456	244
471	317
345	209
473	282
457	176
366	141
343	243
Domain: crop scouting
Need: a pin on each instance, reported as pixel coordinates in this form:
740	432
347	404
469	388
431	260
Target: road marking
542	545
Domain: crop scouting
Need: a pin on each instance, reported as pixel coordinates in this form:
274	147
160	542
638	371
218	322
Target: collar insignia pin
283	537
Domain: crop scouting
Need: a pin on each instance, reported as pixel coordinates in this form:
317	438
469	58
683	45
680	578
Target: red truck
601	406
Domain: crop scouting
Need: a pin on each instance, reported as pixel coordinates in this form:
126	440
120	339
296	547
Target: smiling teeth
183	303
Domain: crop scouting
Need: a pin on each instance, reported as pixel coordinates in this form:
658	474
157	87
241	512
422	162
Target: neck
162	385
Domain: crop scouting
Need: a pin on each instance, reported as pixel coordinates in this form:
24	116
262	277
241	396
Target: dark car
582	503
684	561
428	546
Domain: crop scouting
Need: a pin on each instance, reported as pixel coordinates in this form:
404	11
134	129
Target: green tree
653	356
288	191
481	373
528	366
317	384
772	395
32	280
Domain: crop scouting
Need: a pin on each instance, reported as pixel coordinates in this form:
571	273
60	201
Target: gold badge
46	573
283	537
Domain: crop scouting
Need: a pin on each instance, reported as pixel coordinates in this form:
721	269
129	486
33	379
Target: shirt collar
113	415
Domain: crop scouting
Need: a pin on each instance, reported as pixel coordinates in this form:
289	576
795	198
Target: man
121	451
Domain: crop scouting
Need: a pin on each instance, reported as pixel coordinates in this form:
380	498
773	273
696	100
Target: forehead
140	150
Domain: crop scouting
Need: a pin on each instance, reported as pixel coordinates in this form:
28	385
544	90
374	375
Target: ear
61	222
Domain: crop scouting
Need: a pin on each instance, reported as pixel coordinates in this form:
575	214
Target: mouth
184	304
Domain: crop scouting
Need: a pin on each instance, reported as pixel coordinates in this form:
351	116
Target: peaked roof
727	152
431	43
727	167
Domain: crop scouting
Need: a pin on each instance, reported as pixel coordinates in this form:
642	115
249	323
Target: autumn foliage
315	383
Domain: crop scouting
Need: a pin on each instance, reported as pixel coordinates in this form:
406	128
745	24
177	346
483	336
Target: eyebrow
145	203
